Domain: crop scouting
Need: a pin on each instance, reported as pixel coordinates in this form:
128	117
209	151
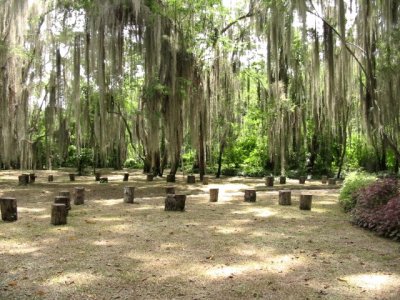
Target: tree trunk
8	208
175	202
129	194
285	198
79	196
63	200
66	194
250	195
58	214
269	181
305	202
214	195
221	152
126	177
202	161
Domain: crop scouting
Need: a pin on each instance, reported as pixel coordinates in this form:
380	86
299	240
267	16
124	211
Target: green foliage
132	163
81	160
352	184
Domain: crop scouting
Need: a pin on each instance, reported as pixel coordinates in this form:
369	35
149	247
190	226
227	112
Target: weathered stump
171	178
126	176
129	194
269	181
63	200
191	179
214	195
282	180
305	202
79	194
66	194
149	177
324	179
250	195
97	176
32	178
71	177
8	209
302	179
205	180
175	202
285	198
23	179
332	181
50	178
170	190
103	180
58	214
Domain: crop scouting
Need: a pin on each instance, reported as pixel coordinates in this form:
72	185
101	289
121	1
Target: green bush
132	163
352	184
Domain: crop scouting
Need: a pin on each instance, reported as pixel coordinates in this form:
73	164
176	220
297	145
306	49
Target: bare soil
230	249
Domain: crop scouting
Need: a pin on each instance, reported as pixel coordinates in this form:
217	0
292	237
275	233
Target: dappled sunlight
227	229
370	281
76	278
31	210
13	248
106	243
104	219
108	202
261	212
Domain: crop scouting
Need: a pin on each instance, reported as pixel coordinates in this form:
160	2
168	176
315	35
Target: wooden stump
170	190
175	202
129	194
50	178
126	177
324	179
32	178
97	176
58	214
302	179
149	177
205	180
305	202
332	181
285	198
103	180
63	200
250	195
23	179
269	181
66	194
8	209
79	198
71	177
171	178
282	180
191	179
214	195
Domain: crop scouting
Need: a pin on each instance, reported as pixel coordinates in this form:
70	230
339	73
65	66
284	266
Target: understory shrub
390	223
351	185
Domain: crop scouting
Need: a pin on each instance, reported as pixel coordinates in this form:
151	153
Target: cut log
250	195
285	198
205	180
282	180
23	179
332	181
8	209
170	190
71	177
324	179
79	194
50	178
58	214
171	178
214	195
191	179
66	194
305	202
126	176
32	178
175	202
269	181
63	200
97	176
103	180
302	179
149	177
129	194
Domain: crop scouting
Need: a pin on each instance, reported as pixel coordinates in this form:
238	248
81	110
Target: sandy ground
225	250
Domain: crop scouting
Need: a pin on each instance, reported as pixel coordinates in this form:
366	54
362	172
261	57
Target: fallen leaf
12	283
90	221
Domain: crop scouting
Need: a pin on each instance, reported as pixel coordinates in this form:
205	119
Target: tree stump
269	181
170	190
79	198
23	179
63	200
149	177
129	194
191	179
8	209
205	180
332	181
175	202
32	178
302	179
58	214
282	180
66	194
214	195
324	179
126	176
97	176
285	198
250	195
50	178
103	180
171	178
305	202
71	177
